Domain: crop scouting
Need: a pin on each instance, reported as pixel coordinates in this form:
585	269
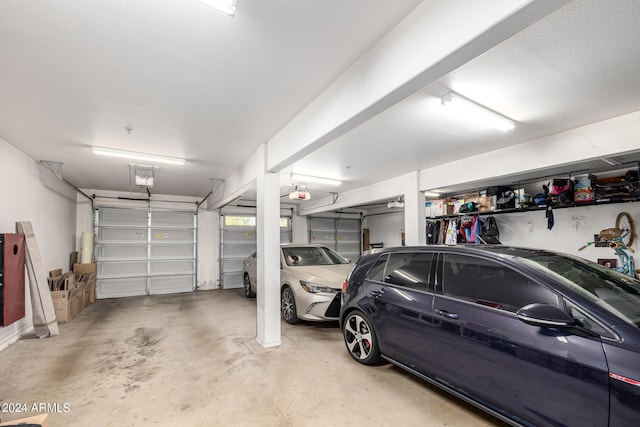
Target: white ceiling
194	83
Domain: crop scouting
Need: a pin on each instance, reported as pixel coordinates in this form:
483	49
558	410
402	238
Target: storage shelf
538	208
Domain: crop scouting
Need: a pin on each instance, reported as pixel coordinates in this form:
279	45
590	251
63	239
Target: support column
414	212
268	246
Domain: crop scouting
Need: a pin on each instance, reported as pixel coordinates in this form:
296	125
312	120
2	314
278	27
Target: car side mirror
545	316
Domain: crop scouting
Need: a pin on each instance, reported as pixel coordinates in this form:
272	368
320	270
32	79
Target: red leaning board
12	269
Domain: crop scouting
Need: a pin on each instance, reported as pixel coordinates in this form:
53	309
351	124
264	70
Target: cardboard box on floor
38	420
69	296
87	273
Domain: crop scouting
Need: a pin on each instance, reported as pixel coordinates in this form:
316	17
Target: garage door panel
171	235
170	284
245	234
120	251
172	219
125	287
171	266
122	268
113	234
119	216
171	251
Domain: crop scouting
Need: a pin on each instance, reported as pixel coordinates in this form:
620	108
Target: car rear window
408	269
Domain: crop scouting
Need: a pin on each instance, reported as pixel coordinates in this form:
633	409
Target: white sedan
311	278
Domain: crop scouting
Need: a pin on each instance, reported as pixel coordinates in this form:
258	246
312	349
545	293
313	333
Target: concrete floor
192	360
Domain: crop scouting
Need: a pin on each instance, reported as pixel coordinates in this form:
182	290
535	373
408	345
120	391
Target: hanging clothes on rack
452	232
433	231
475	230
443	231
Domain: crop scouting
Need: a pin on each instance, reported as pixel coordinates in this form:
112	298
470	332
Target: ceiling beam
435	39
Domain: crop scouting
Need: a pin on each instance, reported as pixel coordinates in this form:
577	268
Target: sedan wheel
288	306
360	338
247	287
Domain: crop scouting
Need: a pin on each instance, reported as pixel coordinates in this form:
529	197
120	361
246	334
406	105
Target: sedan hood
325	275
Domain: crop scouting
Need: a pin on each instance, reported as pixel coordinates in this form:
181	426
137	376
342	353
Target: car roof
501	251
302	245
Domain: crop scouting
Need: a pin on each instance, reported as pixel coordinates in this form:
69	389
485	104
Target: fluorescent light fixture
154	158
482	115
306	179
227	7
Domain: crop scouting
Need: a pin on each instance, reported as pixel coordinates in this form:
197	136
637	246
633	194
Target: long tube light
137	156
227	7
306	179
478	113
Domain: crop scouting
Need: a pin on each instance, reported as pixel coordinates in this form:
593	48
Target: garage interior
280	123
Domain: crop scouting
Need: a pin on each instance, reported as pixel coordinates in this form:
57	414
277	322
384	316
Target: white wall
30	192
385	228
573	228
299	229
208	249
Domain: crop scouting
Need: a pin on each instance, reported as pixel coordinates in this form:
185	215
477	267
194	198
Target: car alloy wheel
360	338
247	287
288	306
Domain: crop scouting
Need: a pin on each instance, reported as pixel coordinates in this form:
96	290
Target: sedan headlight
314	289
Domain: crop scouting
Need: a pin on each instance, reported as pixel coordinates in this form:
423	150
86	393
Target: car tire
248	292
288	306
360	338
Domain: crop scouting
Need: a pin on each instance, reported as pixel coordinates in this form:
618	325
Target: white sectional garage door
144	251
340	234
238	240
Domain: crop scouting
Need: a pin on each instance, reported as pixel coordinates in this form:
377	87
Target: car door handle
445	313
377	294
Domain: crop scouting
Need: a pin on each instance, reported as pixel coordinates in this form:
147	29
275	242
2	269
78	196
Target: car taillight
344	286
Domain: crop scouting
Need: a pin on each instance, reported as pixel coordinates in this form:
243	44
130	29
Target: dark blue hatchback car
534	337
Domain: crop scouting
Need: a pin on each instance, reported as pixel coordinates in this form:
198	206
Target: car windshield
312	255
614	291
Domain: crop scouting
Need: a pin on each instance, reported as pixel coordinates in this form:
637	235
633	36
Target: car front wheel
247	287
288	306
360	338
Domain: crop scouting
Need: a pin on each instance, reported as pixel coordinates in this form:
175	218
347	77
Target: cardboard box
77	299
63	295
471	197
484	203
87	273
61	306
55	273
41	420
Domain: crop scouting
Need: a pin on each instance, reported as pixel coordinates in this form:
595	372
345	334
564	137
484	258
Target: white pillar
414	212
268	246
